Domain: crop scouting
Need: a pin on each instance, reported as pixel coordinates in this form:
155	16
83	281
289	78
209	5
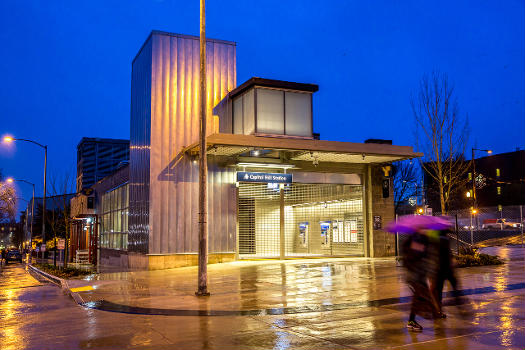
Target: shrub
471	257
58	271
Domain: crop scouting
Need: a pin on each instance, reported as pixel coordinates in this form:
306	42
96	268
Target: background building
97	158
500	181
11	235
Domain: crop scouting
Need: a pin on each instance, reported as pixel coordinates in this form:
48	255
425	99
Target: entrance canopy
297	149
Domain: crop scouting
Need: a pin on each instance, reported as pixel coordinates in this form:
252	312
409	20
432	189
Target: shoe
414	326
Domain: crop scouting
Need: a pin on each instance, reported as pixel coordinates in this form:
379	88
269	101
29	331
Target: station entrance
312	219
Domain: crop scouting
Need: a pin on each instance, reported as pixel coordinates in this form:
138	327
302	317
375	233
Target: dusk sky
65	66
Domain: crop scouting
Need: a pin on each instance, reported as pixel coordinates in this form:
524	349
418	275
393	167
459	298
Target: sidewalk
354	302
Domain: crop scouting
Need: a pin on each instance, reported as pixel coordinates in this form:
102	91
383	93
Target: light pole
9	139
11	180
472	213
474	198
202	289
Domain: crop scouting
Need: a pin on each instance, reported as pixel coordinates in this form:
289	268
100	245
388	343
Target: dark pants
440	281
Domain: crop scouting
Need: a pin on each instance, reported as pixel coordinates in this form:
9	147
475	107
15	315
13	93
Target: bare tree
441	134
7	202
405	178
62	190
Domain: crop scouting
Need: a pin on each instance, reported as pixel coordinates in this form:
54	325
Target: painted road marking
82	289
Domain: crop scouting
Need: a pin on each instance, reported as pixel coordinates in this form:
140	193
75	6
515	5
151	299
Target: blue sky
65	66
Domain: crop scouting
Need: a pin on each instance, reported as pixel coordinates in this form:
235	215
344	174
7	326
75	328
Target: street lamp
9	139
11	180
474	203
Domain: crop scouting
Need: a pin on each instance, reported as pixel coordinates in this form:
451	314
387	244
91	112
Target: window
470	176
270	111
298	114
237	116
497	172
248	111
114	218
498	189
244	113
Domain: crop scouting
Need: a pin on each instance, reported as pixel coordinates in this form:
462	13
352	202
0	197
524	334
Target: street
329	304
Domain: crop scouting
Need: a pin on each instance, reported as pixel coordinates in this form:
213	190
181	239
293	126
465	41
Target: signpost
61	243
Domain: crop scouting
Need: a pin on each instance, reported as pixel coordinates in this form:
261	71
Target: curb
62	283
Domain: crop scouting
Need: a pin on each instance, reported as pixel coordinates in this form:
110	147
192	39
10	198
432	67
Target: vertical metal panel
174	125
140	150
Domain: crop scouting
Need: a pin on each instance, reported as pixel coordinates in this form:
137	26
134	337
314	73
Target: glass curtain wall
114	218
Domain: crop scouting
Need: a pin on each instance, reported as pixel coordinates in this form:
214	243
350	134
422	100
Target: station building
274	189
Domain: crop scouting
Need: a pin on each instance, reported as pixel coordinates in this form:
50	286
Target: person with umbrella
420	258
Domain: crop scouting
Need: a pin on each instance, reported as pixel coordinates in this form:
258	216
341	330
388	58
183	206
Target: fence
484	227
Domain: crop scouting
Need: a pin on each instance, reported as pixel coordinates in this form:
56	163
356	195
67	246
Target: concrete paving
353	303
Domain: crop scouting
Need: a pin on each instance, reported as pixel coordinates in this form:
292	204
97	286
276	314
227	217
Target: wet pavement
352	303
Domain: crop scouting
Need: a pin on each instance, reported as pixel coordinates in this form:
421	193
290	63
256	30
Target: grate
320	220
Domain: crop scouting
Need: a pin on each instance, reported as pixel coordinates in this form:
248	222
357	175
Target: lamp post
474	199
11	180
9	139
202	289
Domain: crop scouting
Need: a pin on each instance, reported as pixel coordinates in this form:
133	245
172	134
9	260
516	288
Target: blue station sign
246	176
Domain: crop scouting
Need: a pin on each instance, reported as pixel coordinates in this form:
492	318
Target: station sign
246	176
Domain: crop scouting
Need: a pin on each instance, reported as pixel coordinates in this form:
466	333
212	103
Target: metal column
281	221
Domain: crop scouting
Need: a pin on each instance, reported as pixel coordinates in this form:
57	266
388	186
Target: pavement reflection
306	304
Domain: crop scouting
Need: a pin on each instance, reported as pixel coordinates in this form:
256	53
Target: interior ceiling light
266	165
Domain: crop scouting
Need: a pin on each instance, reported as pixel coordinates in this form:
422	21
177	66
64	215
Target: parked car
499	224
13	255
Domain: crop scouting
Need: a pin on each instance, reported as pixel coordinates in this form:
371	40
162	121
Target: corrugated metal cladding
139	174
174	124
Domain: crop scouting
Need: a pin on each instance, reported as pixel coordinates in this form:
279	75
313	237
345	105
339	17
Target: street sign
61	243
246	176
43	248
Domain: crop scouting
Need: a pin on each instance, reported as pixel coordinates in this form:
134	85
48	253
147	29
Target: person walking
445	270
420	267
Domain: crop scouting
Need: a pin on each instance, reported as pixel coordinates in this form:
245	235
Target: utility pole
203	166
44	202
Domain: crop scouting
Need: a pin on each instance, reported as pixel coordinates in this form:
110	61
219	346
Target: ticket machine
325	233
303	233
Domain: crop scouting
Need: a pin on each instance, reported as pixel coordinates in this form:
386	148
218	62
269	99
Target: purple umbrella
414	223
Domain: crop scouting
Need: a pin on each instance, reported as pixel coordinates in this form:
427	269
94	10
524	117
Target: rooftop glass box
268	107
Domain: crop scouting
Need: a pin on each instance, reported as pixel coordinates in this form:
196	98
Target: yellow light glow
468	194
489	151
420	210
10	180
474	211
8	139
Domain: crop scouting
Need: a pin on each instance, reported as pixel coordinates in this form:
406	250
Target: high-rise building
97	158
